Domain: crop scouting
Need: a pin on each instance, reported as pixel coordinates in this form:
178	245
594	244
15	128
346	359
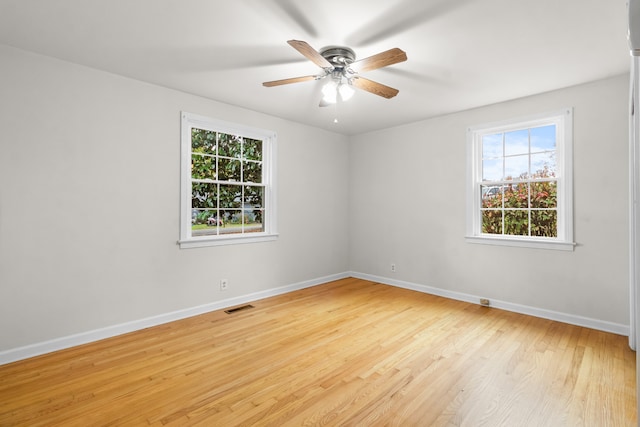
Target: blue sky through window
518	153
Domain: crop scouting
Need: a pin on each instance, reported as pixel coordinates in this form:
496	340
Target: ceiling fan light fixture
330	92
346	91
335	87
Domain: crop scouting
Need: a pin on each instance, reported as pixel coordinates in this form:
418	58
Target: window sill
222	241
522	243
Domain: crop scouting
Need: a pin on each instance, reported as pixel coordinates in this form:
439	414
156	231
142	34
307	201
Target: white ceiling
461	53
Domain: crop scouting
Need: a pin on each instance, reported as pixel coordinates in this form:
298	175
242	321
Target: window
227	191
520	187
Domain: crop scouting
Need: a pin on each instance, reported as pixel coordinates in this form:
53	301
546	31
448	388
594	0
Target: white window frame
563	119
269	141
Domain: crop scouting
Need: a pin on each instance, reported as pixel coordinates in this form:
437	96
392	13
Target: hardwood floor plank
349	352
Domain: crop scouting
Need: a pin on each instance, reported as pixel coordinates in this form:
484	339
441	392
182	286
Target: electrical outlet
224	284
393	268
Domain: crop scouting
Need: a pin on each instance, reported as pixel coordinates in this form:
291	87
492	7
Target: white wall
407	206
89	194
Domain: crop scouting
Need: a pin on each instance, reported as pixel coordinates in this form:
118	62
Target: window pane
544	223
252	172
204	195
516	142
544	165
230	196
516	167
516	223
253	220
226	216
252	149
203	167
229	145
232	221
203	141
492	146
516	196
199	216
544	194
543	138
228	169
492	169
203	230
491	196
253	197
492	222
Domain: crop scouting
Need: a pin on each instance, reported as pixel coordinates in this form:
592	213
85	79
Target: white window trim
564	121
269	150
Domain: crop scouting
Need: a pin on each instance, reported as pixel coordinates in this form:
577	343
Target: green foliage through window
227	193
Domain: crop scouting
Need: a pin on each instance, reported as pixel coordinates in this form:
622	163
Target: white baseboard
587	322
20	353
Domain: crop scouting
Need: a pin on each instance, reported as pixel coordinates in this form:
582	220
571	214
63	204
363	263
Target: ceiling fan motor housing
338	56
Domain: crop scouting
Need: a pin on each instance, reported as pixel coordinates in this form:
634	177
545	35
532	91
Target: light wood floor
350	352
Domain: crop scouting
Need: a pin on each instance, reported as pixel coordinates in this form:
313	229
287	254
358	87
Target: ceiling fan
339	63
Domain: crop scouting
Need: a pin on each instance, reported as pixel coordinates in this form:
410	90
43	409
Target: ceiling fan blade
374	87
310	53
382	59
288	81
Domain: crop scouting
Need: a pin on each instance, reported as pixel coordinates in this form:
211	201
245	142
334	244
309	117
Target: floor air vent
236	309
